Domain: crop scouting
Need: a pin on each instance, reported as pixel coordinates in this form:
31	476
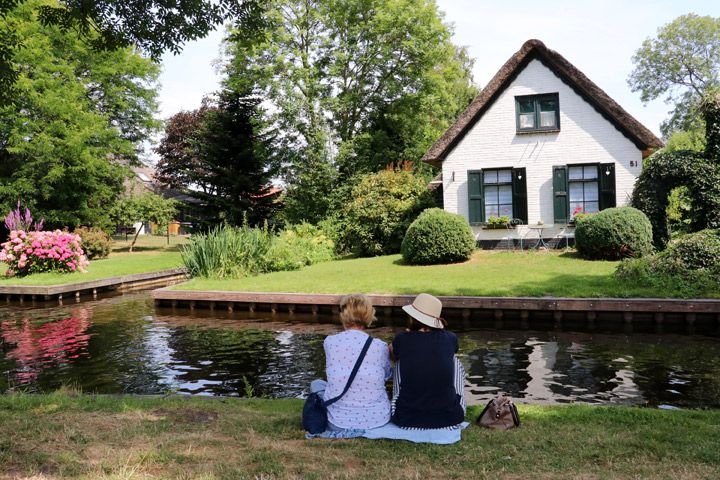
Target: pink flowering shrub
33	252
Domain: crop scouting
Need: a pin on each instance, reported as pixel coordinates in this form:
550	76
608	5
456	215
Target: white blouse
366	404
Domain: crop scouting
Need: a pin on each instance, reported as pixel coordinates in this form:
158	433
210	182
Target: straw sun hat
426	309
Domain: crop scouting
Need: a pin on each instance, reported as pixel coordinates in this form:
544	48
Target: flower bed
34	252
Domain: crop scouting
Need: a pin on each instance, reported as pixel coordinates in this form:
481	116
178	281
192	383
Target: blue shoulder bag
314	416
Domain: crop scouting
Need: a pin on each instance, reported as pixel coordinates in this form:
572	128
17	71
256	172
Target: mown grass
151	254
488	273
69	436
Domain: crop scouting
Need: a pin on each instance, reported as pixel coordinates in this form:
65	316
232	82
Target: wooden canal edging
75	290
587	310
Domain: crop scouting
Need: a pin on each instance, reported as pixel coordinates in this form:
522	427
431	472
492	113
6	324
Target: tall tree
223	154
681	64
346	76
179	166
236	155
154	26
78	115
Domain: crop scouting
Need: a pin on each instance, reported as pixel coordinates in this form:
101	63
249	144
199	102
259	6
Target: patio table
539	229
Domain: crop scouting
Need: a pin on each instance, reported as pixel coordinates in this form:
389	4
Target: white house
540	143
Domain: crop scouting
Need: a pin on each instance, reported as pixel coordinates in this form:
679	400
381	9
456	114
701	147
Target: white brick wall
584	137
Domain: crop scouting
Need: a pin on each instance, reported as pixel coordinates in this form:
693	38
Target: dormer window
537	113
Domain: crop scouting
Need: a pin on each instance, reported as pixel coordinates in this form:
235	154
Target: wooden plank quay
658	307
121	283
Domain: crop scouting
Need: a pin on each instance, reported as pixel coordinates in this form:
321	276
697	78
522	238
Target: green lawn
151	255
76	436
486	274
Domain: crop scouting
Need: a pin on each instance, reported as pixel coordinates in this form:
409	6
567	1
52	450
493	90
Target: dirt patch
187	415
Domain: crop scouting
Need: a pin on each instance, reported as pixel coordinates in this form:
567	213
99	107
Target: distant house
540	143
144	181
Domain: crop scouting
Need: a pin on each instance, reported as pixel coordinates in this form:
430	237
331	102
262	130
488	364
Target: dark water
123	344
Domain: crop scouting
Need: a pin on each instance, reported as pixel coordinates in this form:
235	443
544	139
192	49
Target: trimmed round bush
699	250
437	236
613	234
95	242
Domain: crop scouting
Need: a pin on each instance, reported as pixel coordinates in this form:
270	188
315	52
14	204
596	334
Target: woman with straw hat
429	379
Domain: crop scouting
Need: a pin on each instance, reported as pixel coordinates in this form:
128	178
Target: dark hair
414	325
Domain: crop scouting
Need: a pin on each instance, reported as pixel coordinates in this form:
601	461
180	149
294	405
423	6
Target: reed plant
229	252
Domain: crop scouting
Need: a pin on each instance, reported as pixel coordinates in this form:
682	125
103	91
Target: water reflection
574	367
40	346
122	344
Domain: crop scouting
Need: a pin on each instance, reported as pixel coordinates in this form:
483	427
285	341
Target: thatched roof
643	138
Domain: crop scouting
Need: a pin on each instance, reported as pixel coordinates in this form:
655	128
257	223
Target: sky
599	37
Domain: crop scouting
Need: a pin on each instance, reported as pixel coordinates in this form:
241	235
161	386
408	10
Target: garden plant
36	252
613	234
438	236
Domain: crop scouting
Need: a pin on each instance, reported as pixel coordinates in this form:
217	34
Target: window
537	113
497	192
497	187
583	189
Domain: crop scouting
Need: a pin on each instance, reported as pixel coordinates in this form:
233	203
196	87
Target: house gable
535	50
494	143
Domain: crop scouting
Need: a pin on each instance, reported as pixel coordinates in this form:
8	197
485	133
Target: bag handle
353	373
483	412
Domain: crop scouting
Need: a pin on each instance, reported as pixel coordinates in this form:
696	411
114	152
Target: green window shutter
607	185
475	197
519	190
560	194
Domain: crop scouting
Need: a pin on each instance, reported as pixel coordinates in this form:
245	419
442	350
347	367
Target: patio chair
516	231
567	233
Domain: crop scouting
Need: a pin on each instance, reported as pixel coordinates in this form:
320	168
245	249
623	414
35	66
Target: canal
124	344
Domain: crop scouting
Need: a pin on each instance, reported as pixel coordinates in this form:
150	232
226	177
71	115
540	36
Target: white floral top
366	403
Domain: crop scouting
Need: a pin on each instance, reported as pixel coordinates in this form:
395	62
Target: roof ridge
635	131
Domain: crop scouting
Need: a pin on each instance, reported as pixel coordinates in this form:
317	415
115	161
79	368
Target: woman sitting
429	378
365	405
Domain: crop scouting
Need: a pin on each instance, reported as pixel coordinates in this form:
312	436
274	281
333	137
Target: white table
539	229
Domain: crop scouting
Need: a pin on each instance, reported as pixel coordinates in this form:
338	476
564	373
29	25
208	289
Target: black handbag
314	415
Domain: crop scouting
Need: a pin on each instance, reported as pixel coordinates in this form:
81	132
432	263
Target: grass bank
66	436
151	254
504	274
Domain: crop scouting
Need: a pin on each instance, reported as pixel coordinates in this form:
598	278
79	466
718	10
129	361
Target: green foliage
693	140
690	266
355	86
437	236
224	155
711	115
309	194
149	207
498	222
95	242
682	64
227	252
667	170
235	252
380	208
109	25
78	114
297	246
613	233
678	210
696	251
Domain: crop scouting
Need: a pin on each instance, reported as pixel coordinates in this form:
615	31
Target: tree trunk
137	232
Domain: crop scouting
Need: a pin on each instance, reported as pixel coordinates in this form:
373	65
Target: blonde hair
356	311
